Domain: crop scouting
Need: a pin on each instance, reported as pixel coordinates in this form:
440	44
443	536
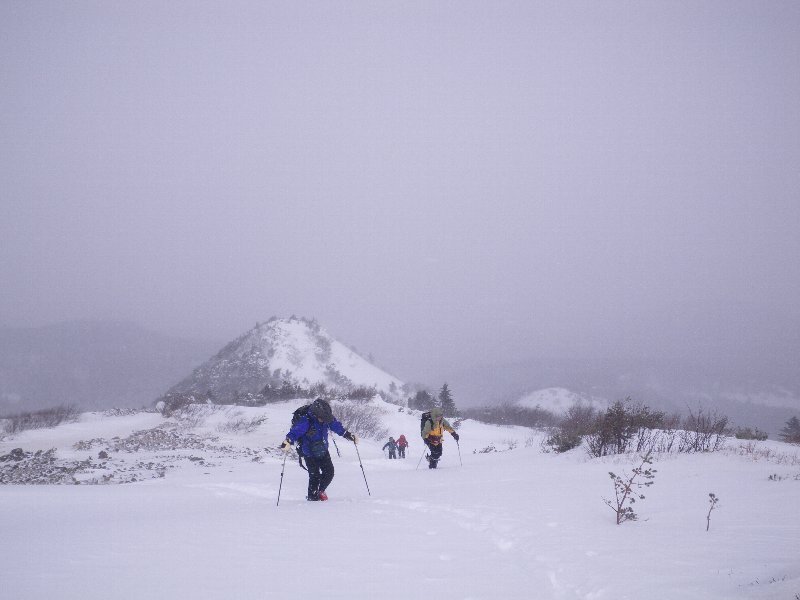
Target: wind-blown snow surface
512	524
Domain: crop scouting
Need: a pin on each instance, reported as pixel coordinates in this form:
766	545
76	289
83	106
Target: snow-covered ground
512	523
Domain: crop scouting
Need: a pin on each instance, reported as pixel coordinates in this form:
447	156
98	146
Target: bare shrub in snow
756	452
194	415
703	431
170	404
360	394
365	420
579	421
625	426
126	412
745	433
626	489
41	419
241	425
487	450
712	498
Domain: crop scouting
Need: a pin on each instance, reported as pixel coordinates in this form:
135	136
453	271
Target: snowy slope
511	524
308	354
559	400
297	350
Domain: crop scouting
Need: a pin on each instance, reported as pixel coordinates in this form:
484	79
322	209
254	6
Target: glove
350	436
286	446
455	436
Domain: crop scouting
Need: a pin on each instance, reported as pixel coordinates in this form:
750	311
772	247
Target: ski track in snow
512	525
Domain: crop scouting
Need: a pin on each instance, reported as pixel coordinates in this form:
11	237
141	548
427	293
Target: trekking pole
459	453
281	485
362	469
335	445
420	458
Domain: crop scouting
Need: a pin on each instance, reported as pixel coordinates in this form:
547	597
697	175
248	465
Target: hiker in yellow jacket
432	432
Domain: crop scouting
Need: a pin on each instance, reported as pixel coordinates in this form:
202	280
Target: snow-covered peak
559	400
292	350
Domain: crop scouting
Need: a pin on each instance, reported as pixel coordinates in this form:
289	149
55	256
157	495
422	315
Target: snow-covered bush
621	426
359	393
745	433
365	420
241	425
170	404
703	431
579	421
756	452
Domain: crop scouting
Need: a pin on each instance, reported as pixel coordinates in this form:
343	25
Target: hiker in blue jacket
392	445
311	429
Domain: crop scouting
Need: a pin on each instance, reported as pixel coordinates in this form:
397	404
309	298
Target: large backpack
426	416
298	414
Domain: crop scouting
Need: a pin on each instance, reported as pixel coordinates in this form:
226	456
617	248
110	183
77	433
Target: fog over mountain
750	397
452	188
91	365
104	365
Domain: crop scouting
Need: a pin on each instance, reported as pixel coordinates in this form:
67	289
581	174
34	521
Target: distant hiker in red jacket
402	444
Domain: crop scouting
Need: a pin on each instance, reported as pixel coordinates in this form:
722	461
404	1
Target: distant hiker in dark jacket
392	445
432	433
402	444
312	431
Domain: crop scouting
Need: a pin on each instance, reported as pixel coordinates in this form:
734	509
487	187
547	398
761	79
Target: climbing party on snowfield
308	434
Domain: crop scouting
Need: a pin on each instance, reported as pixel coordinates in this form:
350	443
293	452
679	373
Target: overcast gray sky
438	183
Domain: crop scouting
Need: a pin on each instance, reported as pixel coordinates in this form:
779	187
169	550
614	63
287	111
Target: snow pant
392	454
436	453
320	474
402	451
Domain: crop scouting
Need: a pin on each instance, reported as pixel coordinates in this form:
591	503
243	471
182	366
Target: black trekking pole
420	458
459	453
335	445
362	469
281	485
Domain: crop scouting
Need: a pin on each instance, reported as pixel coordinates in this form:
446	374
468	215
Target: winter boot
314	497
323	496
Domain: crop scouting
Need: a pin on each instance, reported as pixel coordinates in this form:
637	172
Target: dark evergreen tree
791	432
446	402
423	401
